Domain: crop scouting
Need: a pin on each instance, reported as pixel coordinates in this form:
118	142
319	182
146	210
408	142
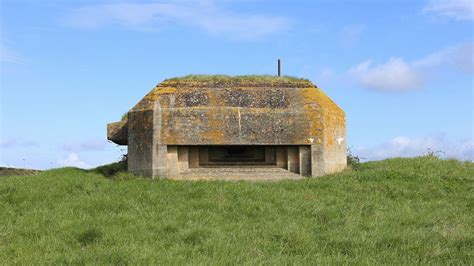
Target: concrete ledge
118	132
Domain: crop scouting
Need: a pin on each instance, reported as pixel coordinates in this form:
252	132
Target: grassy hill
397	211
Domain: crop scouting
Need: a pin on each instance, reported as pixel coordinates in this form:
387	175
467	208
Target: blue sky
402	70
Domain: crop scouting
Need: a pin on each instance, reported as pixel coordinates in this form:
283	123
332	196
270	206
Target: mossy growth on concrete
245	81
125	116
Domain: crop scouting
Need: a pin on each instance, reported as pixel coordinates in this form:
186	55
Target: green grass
397	211
242	80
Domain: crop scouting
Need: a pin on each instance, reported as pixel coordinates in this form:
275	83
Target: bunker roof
237	81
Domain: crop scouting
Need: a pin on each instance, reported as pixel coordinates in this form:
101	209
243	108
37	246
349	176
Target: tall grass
397	211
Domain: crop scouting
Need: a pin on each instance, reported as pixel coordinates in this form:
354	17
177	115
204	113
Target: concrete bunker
200	127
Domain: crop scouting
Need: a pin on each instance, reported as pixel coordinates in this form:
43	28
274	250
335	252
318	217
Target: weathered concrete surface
184	113
118	132
239	173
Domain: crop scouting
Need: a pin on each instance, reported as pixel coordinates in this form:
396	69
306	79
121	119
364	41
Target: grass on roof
245	79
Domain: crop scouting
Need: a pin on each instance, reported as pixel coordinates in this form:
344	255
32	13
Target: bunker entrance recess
295	159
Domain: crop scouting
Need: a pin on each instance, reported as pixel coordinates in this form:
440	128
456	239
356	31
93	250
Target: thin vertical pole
279	68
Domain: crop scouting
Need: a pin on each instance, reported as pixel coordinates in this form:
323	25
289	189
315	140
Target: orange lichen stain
215	125
335	122
332	116
214	98
323	114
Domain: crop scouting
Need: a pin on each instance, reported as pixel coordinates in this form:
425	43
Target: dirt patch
7	171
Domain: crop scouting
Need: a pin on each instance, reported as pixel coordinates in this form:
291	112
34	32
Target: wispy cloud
85	145
403	146
350	34
460	56
204	15
73	159
13	142
399	75
454	9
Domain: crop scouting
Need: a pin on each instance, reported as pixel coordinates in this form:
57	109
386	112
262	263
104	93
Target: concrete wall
239	116
140	143
147	156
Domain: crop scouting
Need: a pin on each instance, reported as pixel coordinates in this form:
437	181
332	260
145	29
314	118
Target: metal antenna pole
279	68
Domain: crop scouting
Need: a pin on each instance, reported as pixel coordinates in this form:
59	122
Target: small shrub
112	169
434	154
353	161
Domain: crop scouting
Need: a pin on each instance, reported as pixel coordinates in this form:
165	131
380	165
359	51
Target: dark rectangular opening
237	155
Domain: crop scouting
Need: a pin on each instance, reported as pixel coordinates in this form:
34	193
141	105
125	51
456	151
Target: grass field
397	211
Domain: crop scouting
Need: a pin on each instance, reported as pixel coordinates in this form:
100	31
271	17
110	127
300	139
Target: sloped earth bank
397	211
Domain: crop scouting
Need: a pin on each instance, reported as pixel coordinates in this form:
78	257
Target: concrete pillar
293	159
193	157
317	160
305	160
172	156
270	155
203	155
159	165
183	159
281	157
160	161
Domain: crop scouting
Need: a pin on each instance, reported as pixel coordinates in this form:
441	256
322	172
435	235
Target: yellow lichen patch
215	125
315	95
214	100
166	136
158	91
267	110
312	104
335	123
330	117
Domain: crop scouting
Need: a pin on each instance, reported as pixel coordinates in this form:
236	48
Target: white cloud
85	145
205	15
403	146
351	34
460	56
455	9
73	160
394	75
398	75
